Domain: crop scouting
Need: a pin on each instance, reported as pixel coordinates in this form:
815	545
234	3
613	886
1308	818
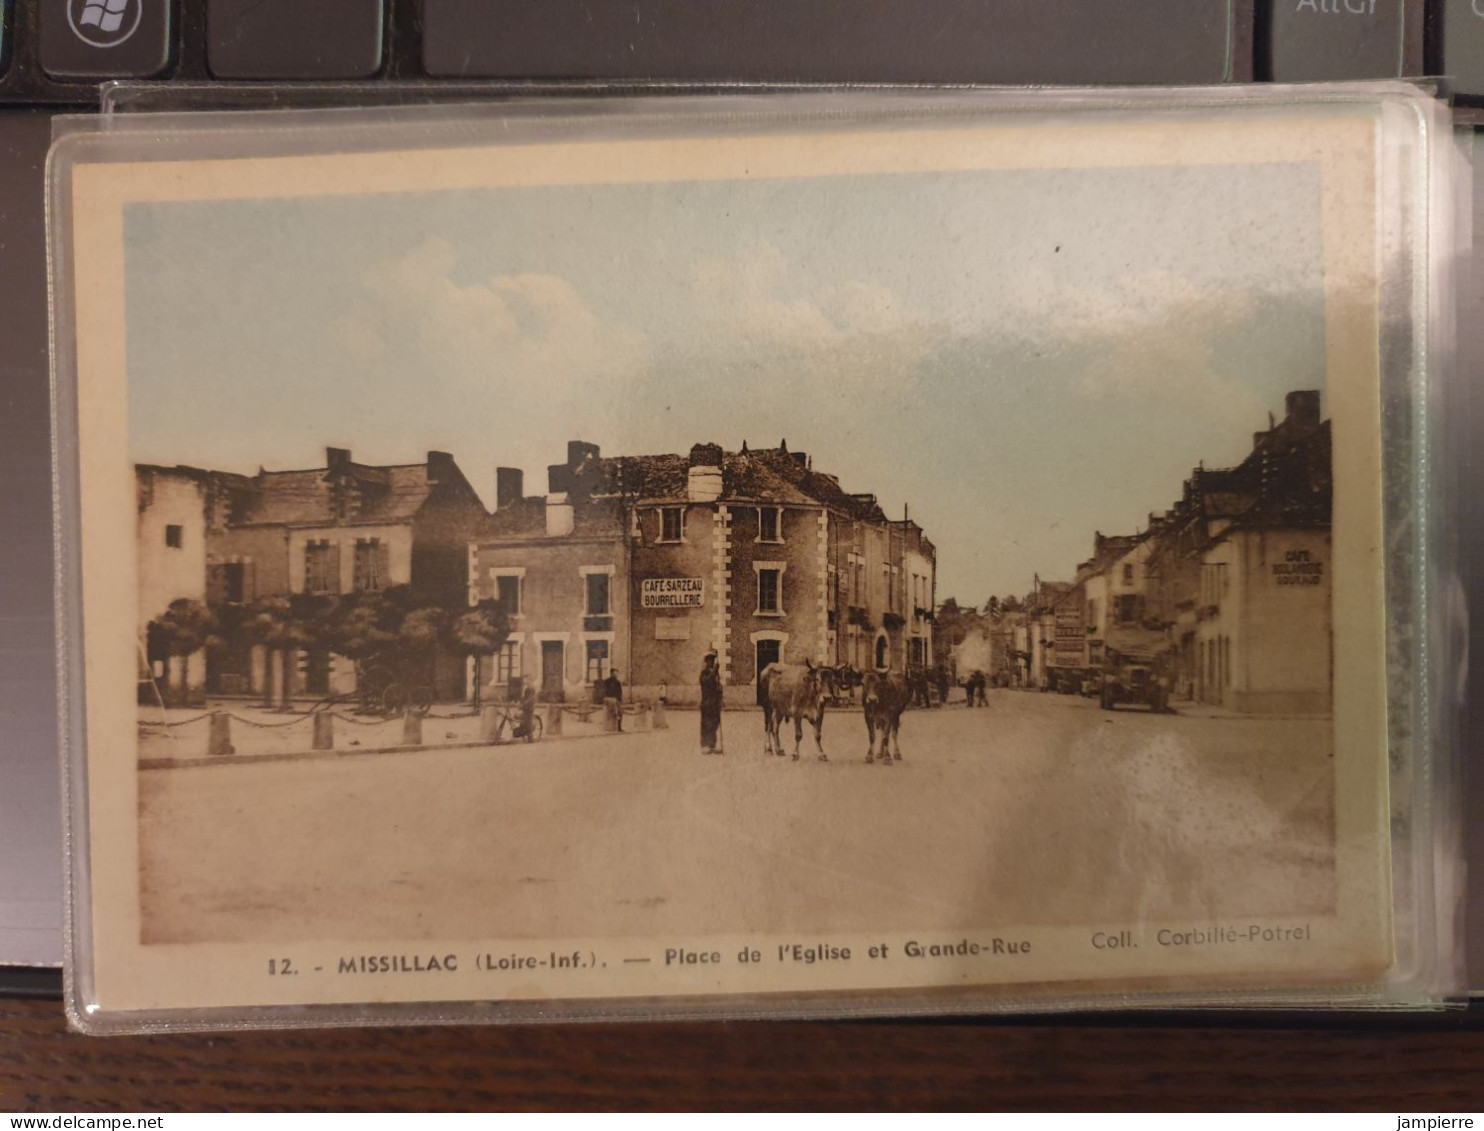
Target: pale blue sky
1024	357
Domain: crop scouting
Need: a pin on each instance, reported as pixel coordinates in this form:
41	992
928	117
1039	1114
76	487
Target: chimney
559	515
579	450
704	480
1301	407
510	487
337	460
440	467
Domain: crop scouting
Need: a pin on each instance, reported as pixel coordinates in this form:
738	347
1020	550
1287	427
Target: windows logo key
104	23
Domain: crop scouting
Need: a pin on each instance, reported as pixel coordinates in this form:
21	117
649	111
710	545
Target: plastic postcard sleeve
769	553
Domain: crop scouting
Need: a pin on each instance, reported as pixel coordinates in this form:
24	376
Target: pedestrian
527	711
710	706
613	700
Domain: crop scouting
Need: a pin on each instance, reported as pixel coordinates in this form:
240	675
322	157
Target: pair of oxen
800	691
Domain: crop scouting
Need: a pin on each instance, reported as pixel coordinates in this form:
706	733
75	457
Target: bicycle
510	717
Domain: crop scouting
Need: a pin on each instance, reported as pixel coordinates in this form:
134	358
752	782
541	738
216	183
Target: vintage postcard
897	559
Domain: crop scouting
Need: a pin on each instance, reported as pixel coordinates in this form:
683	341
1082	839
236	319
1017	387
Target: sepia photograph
865	558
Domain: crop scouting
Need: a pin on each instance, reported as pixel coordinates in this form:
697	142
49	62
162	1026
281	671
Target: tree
186	627
479	632
282	625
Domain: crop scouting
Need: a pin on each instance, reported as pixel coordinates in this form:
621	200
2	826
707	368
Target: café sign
672	593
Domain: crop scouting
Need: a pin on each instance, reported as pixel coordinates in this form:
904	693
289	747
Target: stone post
412	729
219	741
659	722
490	720
554	721
324	731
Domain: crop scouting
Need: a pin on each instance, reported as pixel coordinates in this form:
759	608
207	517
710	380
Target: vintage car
1136	669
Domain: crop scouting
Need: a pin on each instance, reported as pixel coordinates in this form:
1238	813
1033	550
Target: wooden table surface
1407	1065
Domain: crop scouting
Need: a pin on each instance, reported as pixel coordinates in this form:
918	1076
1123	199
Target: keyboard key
294	39
104	39
996	41
1319	40
1462	45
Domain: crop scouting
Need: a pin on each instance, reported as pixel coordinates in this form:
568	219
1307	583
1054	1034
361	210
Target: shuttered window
322	567
372	565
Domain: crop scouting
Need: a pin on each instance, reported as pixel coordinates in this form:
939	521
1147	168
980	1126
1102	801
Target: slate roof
306	498
768	475
602	485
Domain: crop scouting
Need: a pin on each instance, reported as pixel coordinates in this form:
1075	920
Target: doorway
768	652
553	664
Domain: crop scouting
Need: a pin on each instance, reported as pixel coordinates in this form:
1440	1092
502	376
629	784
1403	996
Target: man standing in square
710	706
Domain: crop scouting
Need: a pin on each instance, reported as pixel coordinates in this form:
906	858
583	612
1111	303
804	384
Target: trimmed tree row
386	629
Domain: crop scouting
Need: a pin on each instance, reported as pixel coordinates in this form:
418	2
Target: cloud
507	337
757	318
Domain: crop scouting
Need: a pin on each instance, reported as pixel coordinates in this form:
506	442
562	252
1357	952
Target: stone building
1236	574
341	529
645	563
171	559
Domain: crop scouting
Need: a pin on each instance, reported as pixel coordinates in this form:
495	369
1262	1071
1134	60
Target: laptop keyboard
56	51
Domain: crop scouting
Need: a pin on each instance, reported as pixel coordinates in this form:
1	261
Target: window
1128	573
234	582
175	537
507	662
597	660
1128	608
597	594
507	591
769	524
321	567
371	565
672	524
768	596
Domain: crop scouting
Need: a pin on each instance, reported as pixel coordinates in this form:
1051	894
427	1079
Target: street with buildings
1185	769
1223	599
1040	809
279	585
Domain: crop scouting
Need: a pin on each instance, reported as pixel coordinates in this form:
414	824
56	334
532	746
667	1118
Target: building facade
171	556
644	564
1236	575
340	530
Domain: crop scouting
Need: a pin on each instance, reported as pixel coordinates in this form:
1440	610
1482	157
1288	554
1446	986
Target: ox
885	695
797	692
